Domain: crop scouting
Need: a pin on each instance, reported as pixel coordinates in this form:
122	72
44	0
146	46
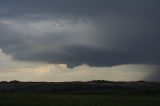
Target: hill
91	87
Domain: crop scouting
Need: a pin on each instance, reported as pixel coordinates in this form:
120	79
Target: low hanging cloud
75	32
36	71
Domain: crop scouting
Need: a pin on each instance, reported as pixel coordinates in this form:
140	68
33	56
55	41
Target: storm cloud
75	32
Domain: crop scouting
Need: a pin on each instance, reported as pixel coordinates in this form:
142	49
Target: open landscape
79	52
95	93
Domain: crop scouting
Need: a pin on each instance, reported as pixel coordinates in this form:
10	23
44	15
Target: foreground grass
76	100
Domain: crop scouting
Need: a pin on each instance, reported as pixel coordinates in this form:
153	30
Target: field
99	93
76	100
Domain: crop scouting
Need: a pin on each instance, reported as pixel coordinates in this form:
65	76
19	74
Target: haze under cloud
99	34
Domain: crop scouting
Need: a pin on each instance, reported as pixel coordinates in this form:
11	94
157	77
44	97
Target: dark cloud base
129	27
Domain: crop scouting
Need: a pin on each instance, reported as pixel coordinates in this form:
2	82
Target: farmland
95	93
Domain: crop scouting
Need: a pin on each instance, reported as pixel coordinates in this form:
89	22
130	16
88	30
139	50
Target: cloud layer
36	71
76	32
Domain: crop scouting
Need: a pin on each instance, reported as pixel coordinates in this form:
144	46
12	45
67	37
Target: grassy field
101	93
77	100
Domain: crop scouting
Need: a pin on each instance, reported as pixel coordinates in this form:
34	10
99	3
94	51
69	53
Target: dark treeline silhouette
90	87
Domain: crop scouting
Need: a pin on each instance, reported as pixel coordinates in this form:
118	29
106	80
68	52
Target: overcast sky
68	40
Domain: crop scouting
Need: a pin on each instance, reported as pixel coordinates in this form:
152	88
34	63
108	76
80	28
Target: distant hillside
91	87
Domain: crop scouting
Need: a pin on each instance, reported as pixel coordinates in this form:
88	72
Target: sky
79	40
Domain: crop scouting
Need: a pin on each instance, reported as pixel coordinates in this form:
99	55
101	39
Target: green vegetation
77	100
94	93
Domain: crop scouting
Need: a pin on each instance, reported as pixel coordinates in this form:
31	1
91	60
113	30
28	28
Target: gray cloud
75	32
